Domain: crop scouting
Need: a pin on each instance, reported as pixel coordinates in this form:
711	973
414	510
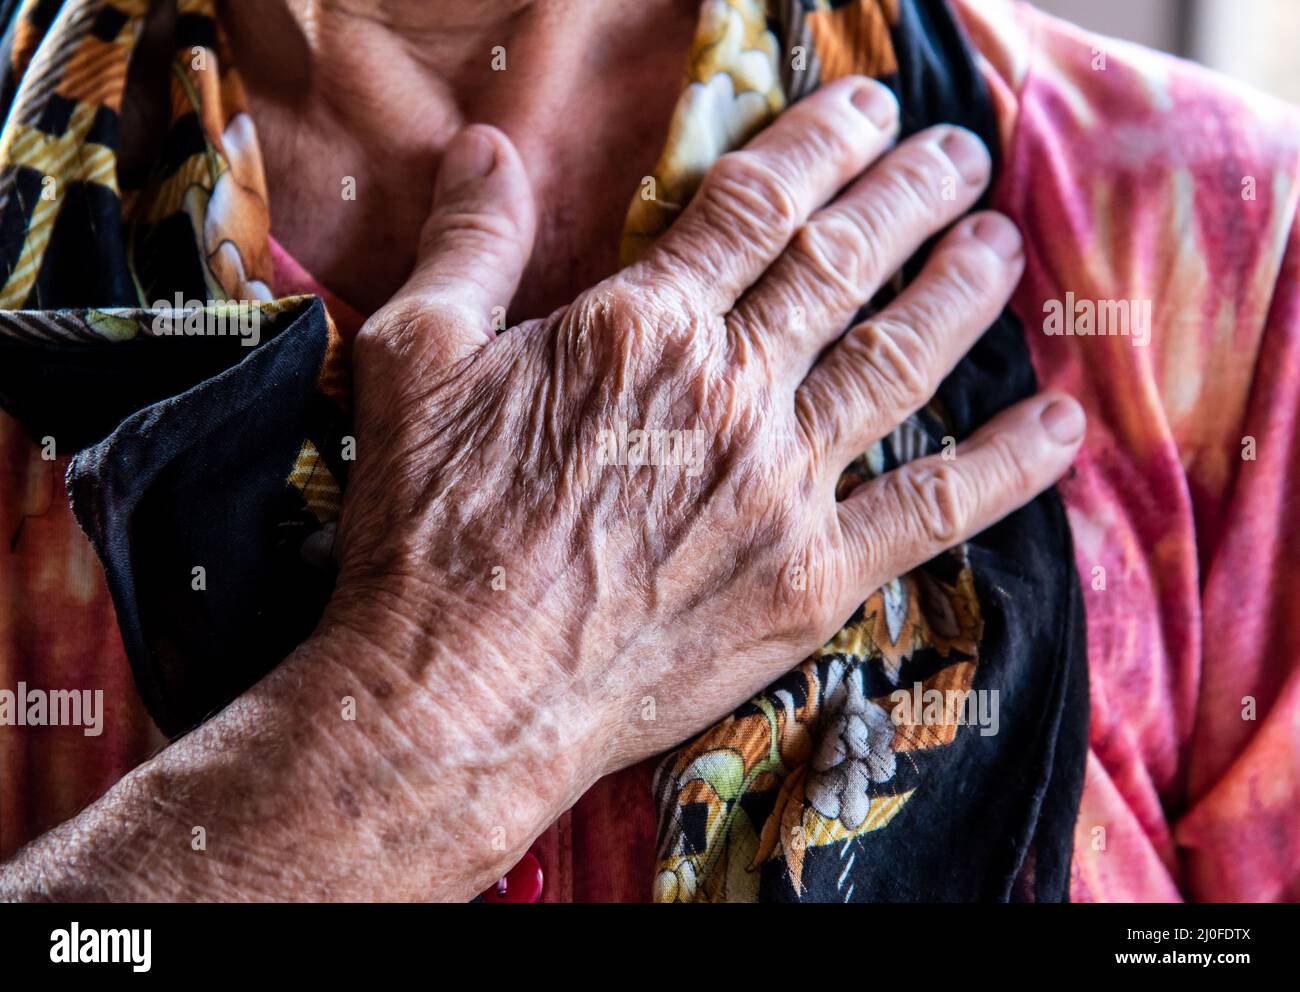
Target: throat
353	114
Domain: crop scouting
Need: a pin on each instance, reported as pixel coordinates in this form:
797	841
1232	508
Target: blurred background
1257	41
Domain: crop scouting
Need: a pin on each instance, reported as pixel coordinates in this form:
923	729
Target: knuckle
1011	472
753	355
876	219
609	314
875	550
459	226
745	185
914	177
620	326
968	276
894	359
403	337
963	294
820	432
935	498
840	250
669	283
828	128
396	331
613	307
680	271
826	134
802	600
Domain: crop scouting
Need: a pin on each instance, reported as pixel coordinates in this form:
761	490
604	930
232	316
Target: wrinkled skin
515	617
480	455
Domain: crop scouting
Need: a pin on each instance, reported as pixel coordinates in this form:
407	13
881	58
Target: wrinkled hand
526	600
506	537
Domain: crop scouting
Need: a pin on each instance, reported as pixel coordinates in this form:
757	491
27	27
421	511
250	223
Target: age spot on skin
346	800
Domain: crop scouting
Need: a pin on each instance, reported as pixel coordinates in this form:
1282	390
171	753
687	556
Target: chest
351	211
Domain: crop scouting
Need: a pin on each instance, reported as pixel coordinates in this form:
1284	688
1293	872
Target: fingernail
470	156
1000	234
877	103
967	153
1063	420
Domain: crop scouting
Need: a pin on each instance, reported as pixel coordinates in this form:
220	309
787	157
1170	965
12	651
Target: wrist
498	743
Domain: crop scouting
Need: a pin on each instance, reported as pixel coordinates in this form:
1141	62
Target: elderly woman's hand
531	593
593	595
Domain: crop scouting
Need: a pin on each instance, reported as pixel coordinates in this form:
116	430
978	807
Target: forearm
372	779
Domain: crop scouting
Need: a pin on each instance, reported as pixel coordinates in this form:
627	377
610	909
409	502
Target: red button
523	883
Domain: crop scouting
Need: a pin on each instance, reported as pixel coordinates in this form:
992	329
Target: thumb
475	244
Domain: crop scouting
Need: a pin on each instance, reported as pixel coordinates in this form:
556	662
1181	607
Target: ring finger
889	366
839	259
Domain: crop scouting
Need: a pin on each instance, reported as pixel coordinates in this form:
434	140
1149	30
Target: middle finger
846	251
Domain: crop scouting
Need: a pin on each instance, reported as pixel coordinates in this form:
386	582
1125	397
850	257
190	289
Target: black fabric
198	480
1034	649
184	443
1020	790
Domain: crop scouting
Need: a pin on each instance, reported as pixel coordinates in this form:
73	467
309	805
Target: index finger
753	200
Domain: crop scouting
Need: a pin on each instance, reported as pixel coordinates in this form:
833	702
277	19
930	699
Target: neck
374	89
